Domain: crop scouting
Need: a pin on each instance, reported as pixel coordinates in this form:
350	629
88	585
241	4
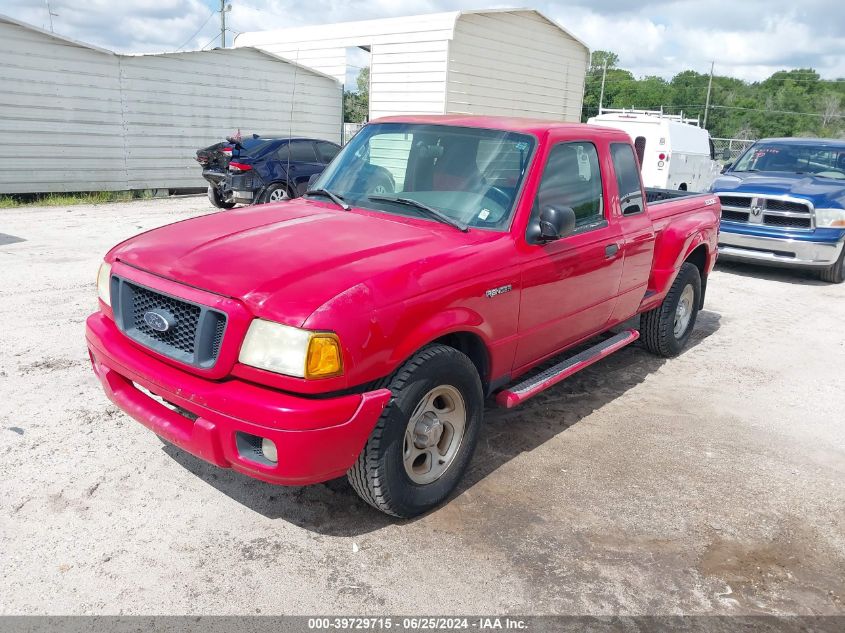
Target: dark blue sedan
269	170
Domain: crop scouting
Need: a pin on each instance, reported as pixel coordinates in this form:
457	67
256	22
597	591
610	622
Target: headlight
104	282
291	351
830	218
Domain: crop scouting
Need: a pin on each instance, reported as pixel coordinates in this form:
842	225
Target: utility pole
50	14
709	88
223	22
601	95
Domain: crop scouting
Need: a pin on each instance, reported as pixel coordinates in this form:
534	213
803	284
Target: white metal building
75	117
502	61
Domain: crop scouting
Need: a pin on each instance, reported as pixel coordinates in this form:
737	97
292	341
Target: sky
748	39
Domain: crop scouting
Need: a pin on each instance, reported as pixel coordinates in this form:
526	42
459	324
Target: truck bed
656	196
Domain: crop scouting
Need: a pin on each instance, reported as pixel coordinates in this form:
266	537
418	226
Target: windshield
470	175
819	160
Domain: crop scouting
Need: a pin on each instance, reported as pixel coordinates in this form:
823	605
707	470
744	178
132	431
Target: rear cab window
628	181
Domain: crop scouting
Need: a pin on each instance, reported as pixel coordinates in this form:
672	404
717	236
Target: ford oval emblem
159	320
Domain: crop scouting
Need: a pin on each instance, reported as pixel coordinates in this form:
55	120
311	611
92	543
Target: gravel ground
711	483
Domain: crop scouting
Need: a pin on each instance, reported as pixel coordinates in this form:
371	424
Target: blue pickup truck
783	204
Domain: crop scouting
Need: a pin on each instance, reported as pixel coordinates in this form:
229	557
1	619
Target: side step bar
509	398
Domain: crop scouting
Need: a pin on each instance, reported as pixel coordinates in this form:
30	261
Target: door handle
610	250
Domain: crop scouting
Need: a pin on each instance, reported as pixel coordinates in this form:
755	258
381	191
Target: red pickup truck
357	330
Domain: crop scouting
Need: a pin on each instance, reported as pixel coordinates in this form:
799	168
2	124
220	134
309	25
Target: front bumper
317	439
777	251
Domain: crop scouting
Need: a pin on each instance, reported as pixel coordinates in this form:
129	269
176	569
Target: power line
210	41
832	116
724	107
668	82
198	31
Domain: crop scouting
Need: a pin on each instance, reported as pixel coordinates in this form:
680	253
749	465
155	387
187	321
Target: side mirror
313	179
555	223
725	167
726	154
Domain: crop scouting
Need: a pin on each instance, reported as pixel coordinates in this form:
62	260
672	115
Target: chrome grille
768	211
187	315
196	333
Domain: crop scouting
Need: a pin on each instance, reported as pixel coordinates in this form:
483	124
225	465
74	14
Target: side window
627	178
572	178
300	151
327	151
639	146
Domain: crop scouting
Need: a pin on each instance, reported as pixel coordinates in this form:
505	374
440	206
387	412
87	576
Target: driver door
569	286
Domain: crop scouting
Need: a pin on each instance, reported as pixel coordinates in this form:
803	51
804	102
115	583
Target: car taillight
226	150
239	167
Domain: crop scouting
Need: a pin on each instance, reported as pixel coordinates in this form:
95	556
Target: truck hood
822	192
286	260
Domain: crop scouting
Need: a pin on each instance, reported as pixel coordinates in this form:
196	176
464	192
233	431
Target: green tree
356	105
788	103
600	59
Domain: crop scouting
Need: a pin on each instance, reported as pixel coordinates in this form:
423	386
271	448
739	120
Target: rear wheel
276	193
666	329
216	199
426	435
835	274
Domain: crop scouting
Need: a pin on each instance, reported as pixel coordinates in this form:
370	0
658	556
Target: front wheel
666	329
835	274
425	437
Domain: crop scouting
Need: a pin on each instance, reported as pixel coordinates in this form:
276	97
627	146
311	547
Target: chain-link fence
350	130
729	149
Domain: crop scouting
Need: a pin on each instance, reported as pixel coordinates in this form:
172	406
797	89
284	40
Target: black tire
657	326
216	200
835	274
379	475
274	190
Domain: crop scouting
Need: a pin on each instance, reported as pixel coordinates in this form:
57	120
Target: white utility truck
674	152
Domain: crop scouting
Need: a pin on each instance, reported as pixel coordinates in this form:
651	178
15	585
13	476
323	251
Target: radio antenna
290	120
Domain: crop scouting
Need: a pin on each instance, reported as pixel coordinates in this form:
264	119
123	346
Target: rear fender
672	249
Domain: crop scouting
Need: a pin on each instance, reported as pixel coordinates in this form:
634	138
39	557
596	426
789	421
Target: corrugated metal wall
60	115
515	64
408	77
408	57
184	101
76	118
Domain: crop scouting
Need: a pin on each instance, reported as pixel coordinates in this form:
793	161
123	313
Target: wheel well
471	345
277	183
699	258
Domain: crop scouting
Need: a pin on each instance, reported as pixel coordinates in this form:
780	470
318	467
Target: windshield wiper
338	200
430	211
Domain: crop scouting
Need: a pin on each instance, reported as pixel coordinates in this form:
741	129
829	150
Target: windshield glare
471	175
819	160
